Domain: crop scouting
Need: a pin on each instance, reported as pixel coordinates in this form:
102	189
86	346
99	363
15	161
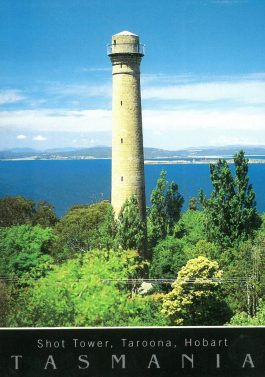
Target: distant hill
105	152
223	151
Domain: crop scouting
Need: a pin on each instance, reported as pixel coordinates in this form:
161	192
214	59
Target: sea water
66	183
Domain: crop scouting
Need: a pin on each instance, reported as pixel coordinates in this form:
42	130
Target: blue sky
203	75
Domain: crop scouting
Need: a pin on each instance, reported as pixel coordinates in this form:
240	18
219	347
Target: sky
202	76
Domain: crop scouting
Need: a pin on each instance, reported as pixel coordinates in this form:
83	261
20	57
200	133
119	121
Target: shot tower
126	53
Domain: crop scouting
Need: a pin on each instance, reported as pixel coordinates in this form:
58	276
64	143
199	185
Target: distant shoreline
206	161
194	162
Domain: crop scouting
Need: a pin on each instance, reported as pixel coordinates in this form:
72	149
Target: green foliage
108	230
24	247
18	210
172	253
165	211
81	229
44	215
231	213
191	227
195	298
4	304
203	248
244	272
261	230
131	228
15	211
168	258
243	319
82	292
193	204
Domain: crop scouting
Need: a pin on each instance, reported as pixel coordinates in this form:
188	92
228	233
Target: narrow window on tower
114	42
121	140
121	103
121	65
122	179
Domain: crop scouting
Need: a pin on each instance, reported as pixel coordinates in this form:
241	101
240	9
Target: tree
80	229
203	249
231	213
89	290
19	210
261	230
107	231
244	319
193	204
168	258
44	215
15	211
195	298
190	227
165	211
131	229
244	272
5	302
24	247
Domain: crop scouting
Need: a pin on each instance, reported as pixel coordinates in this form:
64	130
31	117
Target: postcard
132	165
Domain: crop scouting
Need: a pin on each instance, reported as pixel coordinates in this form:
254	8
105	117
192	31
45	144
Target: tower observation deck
125	53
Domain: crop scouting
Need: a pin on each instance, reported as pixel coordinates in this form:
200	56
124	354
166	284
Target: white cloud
185	120
57	120
247	92
189	87
157	121
39	138
104	90
21	137
10	96
224	110
162	78
194	127
233	140
157	133
95	69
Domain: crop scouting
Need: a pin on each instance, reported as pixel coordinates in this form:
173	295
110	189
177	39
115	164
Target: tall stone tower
126	53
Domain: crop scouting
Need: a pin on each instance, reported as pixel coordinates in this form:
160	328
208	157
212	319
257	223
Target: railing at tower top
125	48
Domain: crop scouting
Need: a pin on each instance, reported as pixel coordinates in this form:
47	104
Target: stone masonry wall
127	137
